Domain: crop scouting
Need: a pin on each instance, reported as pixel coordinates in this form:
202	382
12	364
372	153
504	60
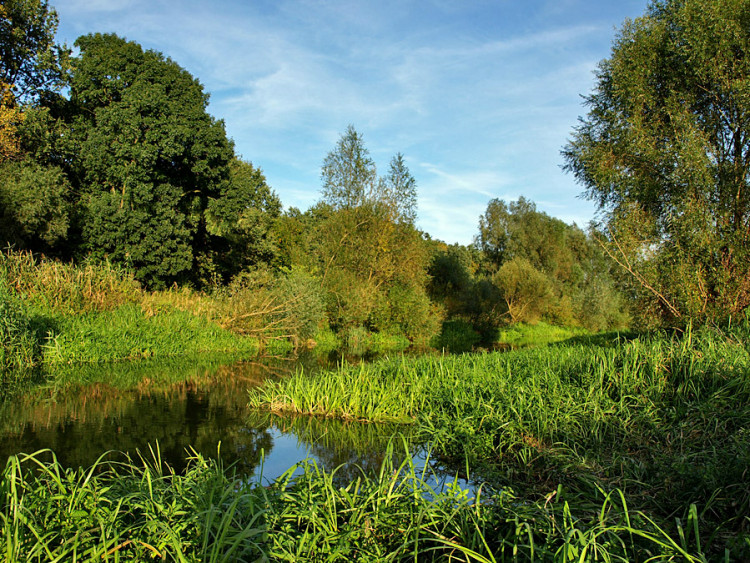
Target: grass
127	333
55	313
142	510
661	418
522	334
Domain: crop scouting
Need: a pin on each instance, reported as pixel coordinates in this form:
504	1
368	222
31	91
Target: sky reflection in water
183	406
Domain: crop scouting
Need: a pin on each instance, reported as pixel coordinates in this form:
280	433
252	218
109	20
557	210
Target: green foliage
148	158
30	61
361	238
348	174
34	209
18	346
128	333
240	221
457	336
399	190
304	297
570	277
407	311
663	152
525	289
520	334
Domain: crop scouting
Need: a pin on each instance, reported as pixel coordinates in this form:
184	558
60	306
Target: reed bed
140	511
662	418
68	288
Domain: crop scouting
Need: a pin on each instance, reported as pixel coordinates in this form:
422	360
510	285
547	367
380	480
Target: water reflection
196	405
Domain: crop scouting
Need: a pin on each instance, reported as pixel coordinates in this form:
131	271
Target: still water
198	406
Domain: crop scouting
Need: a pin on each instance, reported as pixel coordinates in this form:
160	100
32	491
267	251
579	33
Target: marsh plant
661	418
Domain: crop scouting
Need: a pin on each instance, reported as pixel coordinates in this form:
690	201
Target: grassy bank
53	313
661	418
142	511
56	313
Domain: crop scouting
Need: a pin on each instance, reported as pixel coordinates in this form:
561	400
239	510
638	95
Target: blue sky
479	96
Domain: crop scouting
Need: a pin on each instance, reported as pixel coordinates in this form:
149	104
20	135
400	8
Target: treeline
110	156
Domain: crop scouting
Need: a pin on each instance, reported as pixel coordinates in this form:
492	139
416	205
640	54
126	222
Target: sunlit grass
142	511
661	418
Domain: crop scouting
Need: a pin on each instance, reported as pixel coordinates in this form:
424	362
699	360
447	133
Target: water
190	407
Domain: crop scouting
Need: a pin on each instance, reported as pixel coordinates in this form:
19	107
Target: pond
185	406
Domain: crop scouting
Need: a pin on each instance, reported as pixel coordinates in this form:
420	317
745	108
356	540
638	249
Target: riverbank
52	313
659	419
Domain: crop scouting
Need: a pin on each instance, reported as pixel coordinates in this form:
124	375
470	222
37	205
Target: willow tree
664	150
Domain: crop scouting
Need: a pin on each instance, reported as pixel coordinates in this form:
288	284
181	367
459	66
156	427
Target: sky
480	96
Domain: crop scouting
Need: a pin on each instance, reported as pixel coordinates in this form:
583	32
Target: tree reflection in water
200	405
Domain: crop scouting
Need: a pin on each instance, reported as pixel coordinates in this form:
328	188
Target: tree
10	117
517	229
398	190
664	150
372	259
525	290
148	158
30	60
240	220
34	211
349	175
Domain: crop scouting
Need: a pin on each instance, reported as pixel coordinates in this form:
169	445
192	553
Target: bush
303	297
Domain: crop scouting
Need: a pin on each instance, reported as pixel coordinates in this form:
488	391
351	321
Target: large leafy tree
665	152
148	158
30	60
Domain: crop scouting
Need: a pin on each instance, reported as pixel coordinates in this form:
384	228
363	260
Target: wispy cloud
480	96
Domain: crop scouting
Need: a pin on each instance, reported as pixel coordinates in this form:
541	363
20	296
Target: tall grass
142	511
18	345
139	511
67	288
662	418
95	312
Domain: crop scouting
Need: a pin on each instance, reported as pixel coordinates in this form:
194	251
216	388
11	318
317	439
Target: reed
661	417
67	288
141	510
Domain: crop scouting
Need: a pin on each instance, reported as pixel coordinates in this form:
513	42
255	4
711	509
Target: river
183	407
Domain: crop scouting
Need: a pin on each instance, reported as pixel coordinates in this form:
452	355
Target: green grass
663	419
522	334
127	333
143	511
18	345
